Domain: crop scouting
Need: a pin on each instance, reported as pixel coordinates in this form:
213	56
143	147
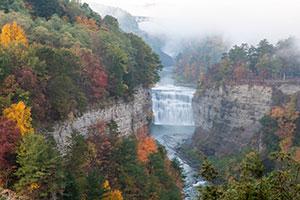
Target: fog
237	21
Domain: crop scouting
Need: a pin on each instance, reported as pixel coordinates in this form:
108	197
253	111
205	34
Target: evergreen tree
253	182
46	8
94	186
74	166
40	173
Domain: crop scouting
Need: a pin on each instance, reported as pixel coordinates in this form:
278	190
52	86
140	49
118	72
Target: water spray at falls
172	105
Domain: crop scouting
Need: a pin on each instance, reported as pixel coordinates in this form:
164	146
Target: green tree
117	60
40	173
5	65
12	5
46	8
62	66
158	168
147	63
74	166
94	186
253	182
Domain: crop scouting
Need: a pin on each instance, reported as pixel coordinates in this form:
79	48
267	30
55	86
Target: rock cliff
227	120
129	116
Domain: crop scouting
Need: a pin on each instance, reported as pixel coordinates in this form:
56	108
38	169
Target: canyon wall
130	116
227	120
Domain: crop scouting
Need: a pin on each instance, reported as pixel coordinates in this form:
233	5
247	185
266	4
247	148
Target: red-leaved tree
28	81
9	139
99	147
94	78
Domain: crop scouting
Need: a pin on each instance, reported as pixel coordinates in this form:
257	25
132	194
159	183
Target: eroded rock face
227	120
130	116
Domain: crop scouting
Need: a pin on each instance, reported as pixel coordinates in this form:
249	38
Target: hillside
197	57
248	86
61	62
129	24
246	113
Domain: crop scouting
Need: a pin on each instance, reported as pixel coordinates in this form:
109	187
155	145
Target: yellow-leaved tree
12	32
112	194
21	115
286	118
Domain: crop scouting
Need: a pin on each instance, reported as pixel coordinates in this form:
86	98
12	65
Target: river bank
172	137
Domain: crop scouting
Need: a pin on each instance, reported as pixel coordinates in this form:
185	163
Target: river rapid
173	124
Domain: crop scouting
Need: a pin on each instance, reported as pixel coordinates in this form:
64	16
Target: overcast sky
237	20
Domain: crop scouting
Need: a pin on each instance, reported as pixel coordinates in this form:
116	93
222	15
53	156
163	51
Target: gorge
227	120
111	105
173	123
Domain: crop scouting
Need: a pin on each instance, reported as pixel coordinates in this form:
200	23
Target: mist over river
173	123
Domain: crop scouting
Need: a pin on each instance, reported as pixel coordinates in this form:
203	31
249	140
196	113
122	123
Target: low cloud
238	21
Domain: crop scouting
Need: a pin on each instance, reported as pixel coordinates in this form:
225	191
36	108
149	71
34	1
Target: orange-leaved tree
21	115
89	23
286	117
12	32
146	145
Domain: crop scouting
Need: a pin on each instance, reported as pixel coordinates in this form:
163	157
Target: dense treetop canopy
73	57
58	57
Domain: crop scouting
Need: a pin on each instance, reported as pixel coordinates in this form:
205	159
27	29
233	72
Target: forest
273	173
270	174
261	64
210	59
57	58
197	57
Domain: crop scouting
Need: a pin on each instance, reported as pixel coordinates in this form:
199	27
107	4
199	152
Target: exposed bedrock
130	116
227	120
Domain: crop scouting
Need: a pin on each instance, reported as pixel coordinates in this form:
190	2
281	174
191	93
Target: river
173	123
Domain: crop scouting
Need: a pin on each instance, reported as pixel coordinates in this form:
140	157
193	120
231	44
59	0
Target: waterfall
173	123
171	105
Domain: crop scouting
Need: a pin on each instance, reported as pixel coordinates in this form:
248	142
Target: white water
171	104
173	123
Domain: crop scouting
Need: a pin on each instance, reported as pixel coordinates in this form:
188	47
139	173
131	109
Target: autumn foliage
21	115
89	23
99	146
69	60
112	194
93	76
146	145
197	57
9	140
248	64
12	32
286	117
29	81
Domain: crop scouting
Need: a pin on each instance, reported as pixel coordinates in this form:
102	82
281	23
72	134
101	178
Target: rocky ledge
130	116
227	120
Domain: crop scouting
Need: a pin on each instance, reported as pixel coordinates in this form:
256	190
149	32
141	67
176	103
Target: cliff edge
227	119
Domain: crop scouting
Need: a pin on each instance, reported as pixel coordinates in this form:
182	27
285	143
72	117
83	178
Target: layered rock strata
130	116
227	120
